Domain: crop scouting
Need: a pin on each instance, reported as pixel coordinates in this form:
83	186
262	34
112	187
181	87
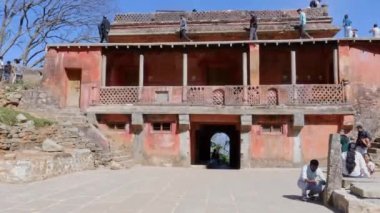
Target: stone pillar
184	70
294	67
254	64
184	135
345	70
334	170
298	124
137	128
141	71
245	137
103	70
245	69
336	67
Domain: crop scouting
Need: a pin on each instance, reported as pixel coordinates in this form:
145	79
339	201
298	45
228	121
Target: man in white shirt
375	31
312	180
353	163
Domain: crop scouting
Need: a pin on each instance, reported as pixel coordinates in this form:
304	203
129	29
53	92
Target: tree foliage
31	24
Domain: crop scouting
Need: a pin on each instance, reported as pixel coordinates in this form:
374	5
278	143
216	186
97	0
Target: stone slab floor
148	189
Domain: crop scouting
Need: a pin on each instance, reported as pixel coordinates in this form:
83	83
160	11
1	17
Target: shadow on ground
315	202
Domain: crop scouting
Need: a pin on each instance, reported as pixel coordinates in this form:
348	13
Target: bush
8	117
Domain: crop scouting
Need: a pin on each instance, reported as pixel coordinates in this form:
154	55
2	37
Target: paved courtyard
148	189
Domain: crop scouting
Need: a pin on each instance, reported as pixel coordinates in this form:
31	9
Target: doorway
74	77
206	140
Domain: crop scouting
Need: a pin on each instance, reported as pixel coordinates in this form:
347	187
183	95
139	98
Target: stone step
366	190
374	151
122	159
375	145
343	201
121	154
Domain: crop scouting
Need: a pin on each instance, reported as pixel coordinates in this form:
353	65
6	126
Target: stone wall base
36	166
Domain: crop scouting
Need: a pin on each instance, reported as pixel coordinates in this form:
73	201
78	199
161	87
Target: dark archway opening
204	146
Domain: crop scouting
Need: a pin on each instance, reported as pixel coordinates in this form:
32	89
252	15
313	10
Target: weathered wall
122	68
315	136
271	148
314	64
359	65
161	147
58	61
117	128
163	67
277	148
215	66
39	166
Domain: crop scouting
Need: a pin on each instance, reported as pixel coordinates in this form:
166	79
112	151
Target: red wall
277	148
161	144
314	64
271	147
122	68
315	135
221	64
62	59
360	63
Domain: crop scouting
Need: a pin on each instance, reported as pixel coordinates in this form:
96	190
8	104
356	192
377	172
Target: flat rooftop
214	43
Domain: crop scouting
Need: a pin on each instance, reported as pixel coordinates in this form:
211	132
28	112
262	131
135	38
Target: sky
363	13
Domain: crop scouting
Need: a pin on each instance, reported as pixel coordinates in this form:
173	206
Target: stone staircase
358	195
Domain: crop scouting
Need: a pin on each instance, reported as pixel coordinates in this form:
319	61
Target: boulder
51	146
21	118
115	165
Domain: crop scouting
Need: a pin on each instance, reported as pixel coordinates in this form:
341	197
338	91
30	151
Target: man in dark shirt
104	28
363	141
253	28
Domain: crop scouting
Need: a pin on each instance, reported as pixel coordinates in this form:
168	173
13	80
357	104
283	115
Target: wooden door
73	87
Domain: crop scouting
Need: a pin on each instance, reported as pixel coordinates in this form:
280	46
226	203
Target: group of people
350	32
11	72
253	25
356	163
355	158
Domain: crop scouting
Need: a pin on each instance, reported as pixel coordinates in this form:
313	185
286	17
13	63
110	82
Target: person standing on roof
253	28
375	31
302	25
183	29
104	28
347	27
315	3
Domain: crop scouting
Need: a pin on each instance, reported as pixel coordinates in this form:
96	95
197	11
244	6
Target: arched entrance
224	138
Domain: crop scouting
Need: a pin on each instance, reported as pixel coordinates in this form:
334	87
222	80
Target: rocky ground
36	142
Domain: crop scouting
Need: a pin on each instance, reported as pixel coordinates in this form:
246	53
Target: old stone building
277	99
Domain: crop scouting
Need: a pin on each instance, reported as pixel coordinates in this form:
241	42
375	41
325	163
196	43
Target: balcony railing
263	95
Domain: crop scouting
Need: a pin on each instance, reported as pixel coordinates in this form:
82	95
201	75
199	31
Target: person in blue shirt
347	27
302	25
